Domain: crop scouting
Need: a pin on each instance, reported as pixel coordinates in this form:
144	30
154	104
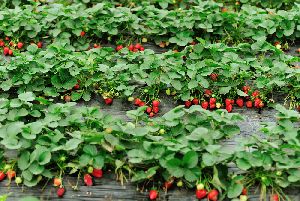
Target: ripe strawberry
108	101
67	98
255	93
142	49
137	46
200	194
244	191
257	102
155	103
275	197
212	106
77	86
39	44
7	38
195	101
155	109
246	88
151	114
214	76
135	50
88	180
57	182
10	52
240	102
208	92
10	174
212	101
130	47
2	176
2	43
82	33
148	110
142	104
229	108
213	195
96	45
20	45
60	192
168	184
5	50
227	101
137	101
119	47
249	104
153	194
187	104
98	173
204	105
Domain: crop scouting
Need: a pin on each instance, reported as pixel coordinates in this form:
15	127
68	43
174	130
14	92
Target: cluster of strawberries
151	111
132	48
87	179
11	45
213	103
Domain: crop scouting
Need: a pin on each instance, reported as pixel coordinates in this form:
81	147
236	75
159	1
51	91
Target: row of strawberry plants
165	4
104	21
203	73
183	146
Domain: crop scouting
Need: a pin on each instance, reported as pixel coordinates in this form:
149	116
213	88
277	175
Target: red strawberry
168	184
229	108
77	86
142	48
142	104
275	197
244	191
40	44
67	98
137	101
155	103
20	45
7	38
213	195
212	101
119	47
261	105
60	192
10	174
108	101
214	76
97	173
255	93
2	43
5	50
257	102
2	175
200	194
227	101
187	104
88	180
148	110
135	50
10	52
82	33
212	106
96	45
208	92
137	46
246	88
155	109
153	194
195	101
204	105
240	102
249	104
151	114
130	47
